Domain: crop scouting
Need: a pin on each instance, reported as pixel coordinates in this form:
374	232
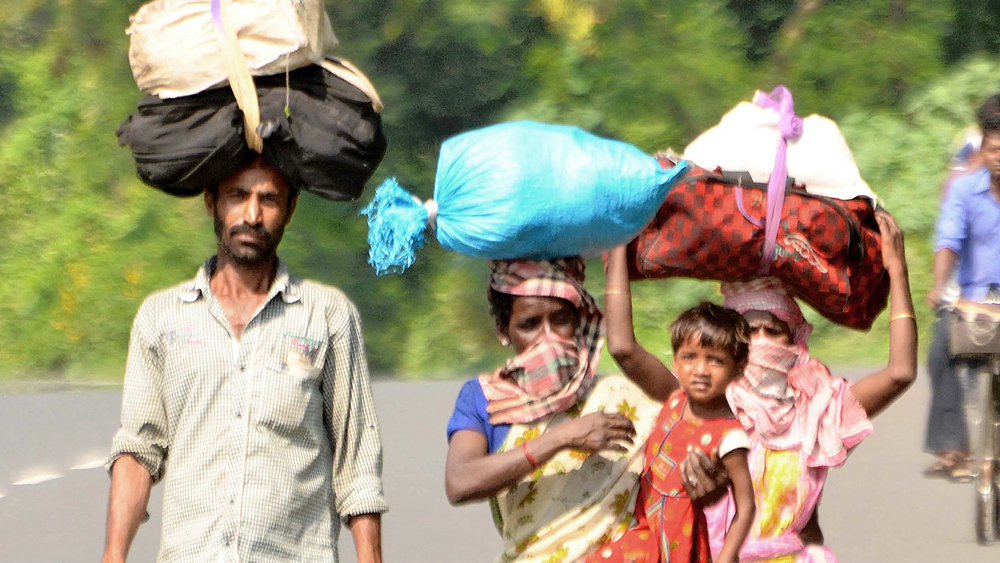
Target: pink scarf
788	398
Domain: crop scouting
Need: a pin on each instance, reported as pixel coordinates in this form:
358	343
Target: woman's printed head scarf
768	294
553	374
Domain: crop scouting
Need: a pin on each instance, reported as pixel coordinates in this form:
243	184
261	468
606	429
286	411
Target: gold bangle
616	292
898	316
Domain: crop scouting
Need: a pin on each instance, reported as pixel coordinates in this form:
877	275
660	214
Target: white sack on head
174	47
747	139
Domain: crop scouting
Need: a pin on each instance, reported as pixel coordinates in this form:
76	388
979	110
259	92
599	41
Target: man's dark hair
989	116
713	326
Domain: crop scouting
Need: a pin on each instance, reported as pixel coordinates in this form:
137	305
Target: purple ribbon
790	127
742	208
217	16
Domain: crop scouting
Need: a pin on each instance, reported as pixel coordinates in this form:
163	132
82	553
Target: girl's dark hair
989	115
501	307
713	326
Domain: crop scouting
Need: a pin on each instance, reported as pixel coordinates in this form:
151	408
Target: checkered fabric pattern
264	443
552	375
828	252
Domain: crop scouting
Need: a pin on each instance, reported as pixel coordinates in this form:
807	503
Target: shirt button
239	414
243	367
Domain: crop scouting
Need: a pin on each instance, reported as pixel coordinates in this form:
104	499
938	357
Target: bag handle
790	127
346	70
240	79
856	245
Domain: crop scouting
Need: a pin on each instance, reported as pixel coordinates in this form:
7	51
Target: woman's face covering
764	324
535	317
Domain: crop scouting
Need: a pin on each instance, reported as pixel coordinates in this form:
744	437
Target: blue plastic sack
522	190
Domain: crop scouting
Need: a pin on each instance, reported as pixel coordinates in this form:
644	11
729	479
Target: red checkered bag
711	226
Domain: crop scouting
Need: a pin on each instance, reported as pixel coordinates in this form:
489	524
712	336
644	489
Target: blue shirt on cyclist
970	226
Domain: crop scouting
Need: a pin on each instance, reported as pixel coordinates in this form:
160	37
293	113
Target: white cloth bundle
747	139
175	48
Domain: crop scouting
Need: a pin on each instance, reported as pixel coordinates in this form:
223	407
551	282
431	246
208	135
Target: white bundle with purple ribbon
751	136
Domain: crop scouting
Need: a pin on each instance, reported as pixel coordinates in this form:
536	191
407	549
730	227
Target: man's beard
248	256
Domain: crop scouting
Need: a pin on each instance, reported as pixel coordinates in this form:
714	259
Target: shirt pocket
292	398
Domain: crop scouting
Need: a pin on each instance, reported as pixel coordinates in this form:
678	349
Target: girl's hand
893	251
600	431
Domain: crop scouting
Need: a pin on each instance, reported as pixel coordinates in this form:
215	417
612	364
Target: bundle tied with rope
521	190
273	89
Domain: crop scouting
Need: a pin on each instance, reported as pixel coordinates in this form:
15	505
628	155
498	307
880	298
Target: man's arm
139	448
354	437
366	530
130	485
944	264
952	230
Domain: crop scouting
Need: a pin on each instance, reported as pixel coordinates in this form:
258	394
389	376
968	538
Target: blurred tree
852	54
83	241
975	29
761	20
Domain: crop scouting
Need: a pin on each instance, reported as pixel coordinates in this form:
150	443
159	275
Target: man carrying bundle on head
246	388
247	392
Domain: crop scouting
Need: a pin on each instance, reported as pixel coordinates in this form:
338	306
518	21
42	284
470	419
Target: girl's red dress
670	527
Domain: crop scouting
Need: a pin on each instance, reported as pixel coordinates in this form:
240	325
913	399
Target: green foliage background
82	241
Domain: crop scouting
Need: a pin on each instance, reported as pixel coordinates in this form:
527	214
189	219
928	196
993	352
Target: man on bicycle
969	238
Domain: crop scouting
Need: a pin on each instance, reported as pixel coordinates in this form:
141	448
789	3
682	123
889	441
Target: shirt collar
283	283
983	182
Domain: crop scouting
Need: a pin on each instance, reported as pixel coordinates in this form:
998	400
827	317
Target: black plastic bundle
328	142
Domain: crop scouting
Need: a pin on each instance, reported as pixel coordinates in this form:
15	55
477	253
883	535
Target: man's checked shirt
264	443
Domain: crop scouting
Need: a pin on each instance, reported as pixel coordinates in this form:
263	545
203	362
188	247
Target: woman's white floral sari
576	501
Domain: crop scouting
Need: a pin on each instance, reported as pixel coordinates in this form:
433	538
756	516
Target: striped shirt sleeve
352	421
143	432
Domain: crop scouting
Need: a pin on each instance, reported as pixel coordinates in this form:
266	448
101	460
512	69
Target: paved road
876	508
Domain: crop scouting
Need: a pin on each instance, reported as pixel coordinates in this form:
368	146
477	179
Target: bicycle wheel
985	457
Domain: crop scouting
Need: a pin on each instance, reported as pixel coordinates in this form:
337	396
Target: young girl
711	345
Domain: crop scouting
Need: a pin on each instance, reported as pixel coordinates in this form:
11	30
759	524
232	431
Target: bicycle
974	339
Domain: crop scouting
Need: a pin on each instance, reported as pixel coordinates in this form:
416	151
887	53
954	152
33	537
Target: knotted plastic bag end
670	176
396	224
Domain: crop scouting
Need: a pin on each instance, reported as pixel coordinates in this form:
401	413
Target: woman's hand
704	479
893	251
600	431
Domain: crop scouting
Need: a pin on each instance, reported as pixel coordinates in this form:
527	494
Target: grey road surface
53	499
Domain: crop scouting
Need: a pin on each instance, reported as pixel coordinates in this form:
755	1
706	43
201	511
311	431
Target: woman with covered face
802	421
555	448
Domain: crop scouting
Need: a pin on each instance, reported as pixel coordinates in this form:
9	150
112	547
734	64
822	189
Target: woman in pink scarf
803	420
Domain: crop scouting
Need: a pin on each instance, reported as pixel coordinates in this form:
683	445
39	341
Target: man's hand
935	298
366	530
703	478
